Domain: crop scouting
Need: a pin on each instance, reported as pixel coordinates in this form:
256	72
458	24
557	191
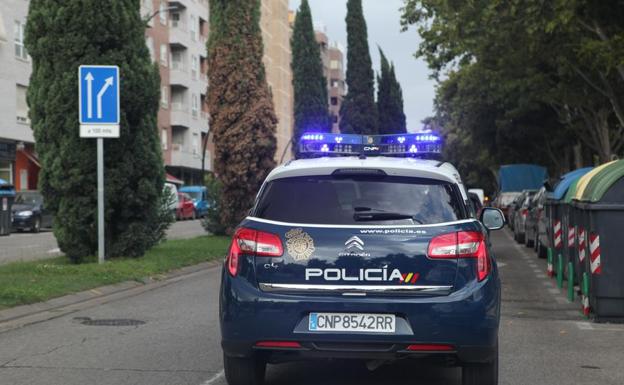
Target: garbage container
554	207
7	195
601	206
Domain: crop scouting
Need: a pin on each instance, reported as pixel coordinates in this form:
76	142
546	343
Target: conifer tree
358	112
242	120
60	36
309	83
389	100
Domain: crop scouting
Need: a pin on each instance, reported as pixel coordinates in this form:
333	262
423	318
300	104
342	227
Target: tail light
525	212
254	242
462	244
430	348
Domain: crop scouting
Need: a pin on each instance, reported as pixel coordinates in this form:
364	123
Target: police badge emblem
299	244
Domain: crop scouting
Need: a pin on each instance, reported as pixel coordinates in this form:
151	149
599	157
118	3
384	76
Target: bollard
559	271
549	268
585	299
571	281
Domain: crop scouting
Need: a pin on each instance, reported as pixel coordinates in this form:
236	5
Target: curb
20	316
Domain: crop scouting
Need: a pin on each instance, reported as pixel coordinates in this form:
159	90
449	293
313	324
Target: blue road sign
98	88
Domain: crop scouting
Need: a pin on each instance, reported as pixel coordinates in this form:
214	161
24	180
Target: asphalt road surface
29	246
543	340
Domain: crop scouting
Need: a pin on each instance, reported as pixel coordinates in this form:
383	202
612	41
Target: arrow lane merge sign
98	97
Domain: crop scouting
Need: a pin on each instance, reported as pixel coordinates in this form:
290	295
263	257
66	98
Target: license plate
345	322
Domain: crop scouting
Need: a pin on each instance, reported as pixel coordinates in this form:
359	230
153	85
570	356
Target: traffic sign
98	108
98	97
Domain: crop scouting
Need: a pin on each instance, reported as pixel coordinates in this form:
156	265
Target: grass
29	282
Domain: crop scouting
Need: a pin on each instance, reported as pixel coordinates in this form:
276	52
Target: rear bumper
467	320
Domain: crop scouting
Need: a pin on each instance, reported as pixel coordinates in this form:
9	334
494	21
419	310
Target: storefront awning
174	180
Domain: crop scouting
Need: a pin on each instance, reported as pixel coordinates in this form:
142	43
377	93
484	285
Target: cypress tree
243	120
358	112
60	36
309	83
389	100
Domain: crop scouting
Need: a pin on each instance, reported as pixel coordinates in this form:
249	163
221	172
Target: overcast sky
383	21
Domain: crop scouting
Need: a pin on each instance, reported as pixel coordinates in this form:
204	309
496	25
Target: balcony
180	115
179	35
179	76
184	157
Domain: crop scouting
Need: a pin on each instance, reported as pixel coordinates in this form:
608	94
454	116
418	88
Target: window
334	199
150	47
164	97
334	101
175	19
335	65
149	11
194	66
21	107
163	138
164	56
162	13
20	49
194	105
6	170
195	143
193	27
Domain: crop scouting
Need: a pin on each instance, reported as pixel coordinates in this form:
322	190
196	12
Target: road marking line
584	326
561	300
547	283
553	291
213	379
541	276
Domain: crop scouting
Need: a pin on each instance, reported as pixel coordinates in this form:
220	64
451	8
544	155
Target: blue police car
366	251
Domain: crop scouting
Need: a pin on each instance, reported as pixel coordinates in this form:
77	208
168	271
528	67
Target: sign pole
100	193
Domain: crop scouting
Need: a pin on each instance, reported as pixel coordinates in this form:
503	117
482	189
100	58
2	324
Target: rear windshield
359	200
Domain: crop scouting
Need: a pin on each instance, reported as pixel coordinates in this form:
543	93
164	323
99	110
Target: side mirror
492	219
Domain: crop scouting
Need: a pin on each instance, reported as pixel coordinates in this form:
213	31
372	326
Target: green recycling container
599	206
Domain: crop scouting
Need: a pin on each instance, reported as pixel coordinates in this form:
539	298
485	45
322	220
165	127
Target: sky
383	21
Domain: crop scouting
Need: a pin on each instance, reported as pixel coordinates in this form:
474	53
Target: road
543	340
29	246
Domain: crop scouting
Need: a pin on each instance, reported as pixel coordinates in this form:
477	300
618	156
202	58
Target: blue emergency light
410	145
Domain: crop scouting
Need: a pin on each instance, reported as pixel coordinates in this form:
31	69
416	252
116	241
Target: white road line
213	379
560	300
547	283
553	291
584	326
541	276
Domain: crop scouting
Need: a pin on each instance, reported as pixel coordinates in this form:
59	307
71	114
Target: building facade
176	38
276	34
332	57
18	160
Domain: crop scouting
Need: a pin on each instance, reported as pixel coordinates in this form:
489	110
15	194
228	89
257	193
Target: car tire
36	226
528	242
481	374
541	250
244	371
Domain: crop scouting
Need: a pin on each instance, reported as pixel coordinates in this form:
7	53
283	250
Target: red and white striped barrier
571	236
557	232
594	253
582	249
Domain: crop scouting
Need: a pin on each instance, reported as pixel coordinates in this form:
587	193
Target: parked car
480	193
475	204
186	207
29	212
513	210
536	224
504	200
199	194
521	214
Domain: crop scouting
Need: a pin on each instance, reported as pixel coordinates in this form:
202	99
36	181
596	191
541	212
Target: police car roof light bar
406	145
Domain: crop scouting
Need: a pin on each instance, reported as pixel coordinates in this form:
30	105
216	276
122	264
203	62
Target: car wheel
528	242
541	250
481	374
243	371
37	225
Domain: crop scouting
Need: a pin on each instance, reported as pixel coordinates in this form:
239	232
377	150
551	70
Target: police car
368	251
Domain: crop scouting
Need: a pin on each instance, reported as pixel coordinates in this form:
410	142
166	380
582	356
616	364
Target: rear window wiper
382	216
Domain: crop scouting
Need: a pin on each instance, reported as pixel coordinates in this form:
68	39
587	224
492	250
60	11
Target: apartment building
18	161
276	34
332	57
176	38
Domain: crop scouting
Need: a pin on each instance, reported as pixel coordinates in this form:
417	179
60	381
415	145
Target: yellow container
584	181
